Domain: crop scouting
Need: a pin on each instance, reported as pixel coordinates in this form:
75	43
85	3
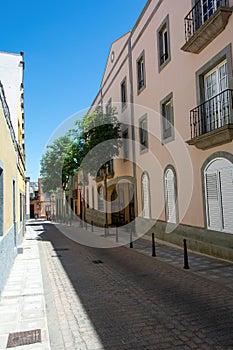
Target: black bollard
153	245
91	225
116	234
186	263
131	237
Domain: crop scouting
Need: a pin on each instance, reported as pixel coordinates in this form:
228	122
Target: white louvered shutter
213	202
170	196
146	198
226	178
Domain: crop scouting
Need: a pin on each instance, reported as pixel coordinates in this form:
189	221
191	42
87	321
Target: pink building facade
171	80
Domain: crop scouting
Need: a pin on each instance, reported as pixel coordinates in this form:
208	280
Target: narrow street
121	299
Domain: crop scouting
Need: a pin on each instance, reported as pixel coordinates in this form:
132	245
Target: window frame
171	168
224	54
146	175
165	101
142	132
108	106
164	26
123	102
140	88
125	146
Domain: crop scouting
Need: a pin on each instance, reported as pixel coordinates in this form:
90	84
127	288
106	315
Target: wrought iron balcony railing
199	14
212	114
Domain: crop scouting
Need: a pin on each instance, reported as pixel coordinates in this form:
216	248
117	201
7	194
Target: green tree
101	142
57	164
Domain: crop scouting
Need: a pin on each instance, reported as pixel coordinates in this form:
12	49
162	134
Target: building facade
12	160
170	79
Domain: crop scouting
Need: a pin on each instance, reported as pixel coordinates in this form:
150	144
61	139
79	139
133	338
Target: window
110	168
218	180
204	9
217	106
163	44
125	135
87	198
1	202
109	107
145	196
167	118
141	72
100	198
123	94
170	195
143	133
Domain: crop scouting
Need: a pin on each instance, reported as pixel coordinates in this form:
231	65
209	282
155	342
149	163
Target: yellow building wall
8	160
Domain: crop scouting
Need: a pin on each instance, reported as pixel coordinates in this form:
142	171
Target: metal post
91	225
131	237
86	225
153	245
116	234
186	264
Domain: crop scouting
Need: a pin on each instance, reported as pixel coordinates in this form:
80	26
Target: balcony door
216	98
203	10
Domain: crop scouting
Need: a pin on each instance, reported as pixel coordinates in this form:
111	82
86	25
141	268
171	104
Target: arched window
170	192
218	180
145	196
100	198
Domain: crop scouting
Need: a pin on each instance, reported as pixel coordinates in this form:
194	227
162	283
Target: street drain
24	338
60	249
97	261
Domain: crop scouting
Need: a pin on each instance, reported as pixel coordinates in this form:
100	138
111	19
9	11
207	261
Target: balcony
205	22
212	121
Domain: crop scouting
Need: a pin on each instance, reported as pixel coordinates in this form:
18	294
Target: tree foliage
57	164
90	146
101	139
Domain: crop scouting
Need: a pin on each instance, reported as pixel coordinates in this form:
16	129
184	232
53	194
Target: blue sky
66	45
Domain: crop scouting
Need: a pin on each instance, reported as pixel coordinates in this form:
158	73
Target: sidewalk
211	268
22	304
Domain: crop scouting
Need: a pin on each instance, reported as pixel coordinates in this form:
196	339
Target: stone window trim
163	102
143	148
141	57
224	54
145	173
172	168
125	136
163	25
123	102
108	106
213	156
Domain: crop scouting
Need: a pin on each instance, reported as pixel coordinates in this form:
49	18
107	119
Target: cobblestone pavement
122	299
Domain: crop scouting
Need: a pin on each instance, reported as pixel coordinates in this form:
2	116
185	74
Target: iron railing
212	114
199	14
